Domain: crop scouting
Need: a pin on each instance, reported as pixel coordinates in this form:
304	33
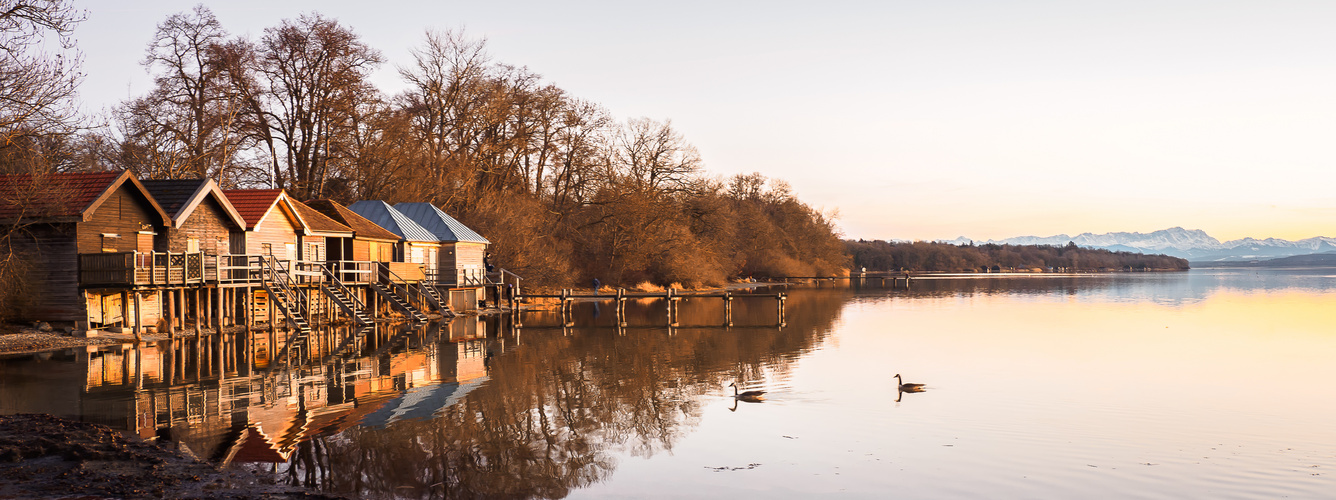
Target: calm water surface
1206	384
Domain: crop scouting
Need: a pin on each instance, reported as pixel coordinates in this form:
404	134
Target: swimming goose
749	396
908	387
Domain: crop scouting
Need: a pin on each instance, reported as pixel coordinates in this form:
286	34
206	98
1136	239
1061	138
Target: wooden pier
673	297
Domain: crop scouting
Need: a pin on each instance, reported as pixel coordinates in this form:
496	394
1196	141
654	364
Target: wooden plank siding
124	213
52	272
208	223
277	229
462	263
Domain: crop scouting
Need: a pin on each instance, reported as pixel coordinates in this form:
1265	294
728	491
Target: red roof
252	204
52	195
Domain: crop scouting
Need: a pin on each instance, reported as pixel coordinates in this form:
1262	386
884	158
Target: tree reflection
558	408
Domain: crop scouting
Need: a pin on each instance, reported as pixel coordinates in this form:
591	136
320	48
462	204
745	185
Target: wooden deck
142	268
170	269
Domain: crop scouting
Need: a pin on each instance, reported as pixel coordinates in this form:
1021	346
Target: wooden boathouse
460	261
105	251
82	234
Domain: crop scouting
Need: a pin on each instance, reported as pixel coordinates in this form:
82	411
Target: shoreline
43	456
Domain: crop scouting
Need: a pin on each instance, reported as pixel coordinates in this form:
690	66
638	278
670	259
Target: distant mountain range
1192	244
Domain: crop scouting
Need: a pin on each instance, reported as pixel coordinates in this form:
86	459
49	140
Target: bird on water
749	396
908	387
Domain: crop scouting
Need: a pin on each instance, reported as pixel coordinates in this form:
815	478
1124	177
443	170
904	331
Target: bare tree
652	156
188	123
37	89
313	71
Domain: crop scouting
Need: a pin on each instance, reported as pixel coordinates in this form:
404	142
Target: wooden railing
142	268
354	272
176	269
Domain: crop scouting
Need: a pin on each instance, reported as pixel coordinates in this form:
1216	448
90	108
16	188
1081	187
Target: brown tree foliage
566	192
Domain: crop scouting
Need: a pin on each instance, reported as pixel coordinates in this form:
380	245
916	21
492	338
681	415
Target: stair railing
334	280
276	273
389	277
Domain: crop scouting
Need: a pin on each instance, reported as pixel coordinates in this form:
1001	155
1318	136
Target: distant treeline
880	255
565	191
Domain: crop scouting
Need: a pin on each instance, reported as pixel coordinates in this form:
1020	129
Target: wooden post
198	313
217	296
170	299
728	308
181	312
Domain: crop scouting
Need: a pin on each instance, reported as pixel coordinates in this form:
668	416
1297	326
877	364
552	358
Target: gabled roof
393	221
255	204
361	226
320	224
180	197
445	227
65	197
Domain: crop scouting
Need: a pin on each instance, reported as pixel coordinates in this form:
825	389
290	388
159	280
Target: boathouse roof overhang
180	197
439	223
66	197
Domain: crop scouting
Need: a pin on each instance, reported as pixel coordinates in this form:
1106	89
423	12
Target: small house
202	218
416	246
272	224
369	241
82	236
460	261
320	233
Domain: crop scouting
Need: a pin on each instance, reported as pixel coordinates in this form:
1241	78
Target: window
192	244
109	241
266	249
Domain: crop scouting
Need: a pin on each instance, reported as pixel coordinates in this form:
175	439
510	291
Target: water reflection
1167	288
480	408
460	409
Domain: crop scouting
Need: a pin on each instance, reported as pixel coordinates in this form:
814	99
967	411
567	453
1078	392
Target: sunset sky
915	120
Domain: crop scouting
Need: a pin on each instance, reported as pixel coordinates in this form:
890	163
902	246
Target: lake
1214	383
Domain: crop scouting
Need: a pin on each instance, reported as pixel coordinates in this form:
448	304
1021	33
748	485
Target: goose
749	396
908	387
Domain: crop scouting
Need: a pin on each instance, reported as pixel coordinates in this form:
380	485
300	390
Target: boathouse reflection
248	398
469	408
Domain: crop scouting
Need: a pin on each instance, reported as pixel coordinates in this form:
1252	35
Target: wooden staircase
290	300
390	291
433	298
344	298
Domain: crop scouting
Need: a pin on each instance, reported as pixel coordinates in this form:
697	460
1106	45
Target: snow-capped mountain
1191	244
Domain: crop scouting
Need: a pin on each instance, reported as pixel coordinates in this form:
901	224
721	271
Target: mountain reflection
470	408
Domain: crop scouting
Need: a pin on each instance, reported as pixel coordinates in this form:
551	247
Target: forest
565	191
878	255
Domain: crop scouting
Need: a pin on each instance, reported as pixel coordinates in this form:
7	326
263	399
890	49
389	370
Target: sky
910	119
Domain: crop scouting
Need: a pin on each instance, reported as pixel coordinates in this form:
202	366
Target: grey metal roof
392	220
445	227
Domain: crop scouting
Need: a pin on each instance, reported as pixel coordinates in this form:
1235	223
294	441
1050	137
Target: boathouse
272	225
86	236
202	218
369	242
460	261
417	246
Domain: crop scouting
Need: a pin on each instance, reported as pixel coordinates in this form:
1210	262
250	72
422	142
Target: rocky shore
42	456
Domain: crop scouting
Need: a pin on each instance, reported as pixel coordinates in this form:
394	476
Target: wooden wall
276	229
312	248
122	213
53	271
374	251
209	223
459	260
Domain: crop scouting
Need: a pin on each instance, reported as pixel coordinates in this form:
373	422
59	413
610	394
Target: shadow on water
468	408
